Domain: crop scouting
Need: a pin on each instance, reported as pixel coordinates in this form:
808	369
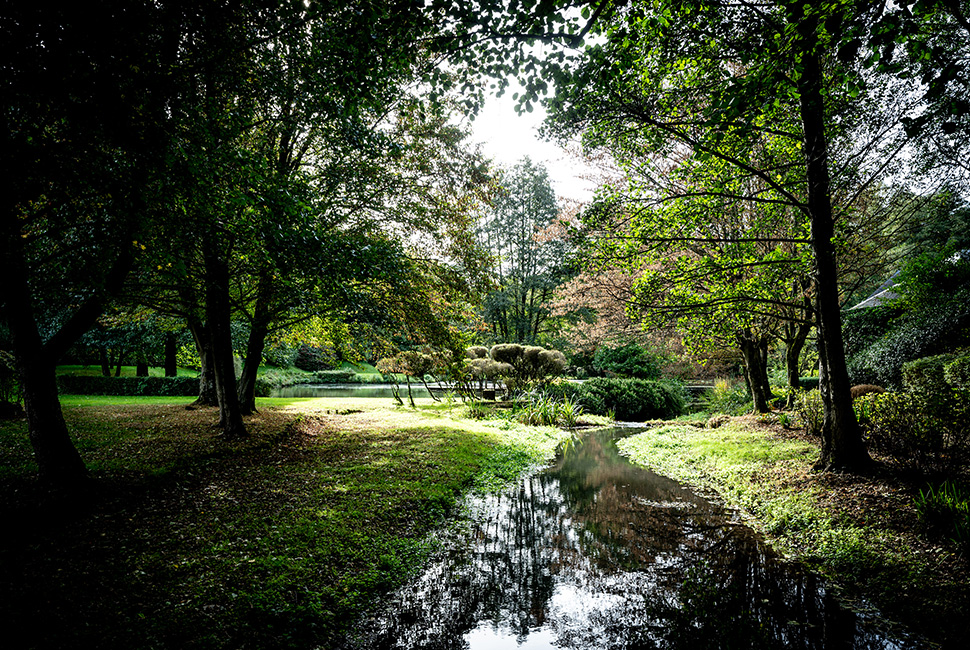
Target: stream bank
595	552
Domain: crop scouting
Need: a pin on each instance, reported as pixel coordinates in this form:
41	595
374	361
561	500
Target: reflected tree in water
596	553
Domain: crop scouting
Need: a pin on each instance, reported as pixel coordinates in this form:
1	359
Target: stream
593	552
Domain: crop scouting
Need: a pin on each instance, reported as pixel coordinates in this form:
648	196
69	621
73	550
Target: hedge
634	400
934	330
925	375
957	372
161	386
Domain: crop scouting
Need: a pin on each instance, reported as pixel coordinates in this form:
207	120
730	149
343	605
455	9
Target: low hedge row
631	400
145	386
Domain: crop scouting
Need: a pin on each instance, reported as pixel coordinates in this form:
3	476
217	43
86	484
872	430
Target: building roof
882	295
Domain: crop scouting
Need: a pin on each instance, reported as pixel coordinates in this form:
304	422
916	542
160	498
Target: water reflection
347	390
596	553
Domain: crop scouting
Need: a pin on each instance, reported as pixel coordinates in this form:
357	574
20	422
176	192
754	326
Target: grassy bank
860	532
279	541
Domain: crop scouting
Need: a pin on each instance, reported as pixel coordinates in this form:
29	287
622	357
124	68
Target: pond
594	552
348	390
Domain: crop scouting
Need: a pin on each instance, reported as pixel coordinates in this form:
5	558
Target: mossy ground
186	541
861	532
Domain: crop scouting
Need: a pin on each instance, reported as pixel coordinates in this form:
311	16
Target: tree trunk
58	460
218	317
207	376
104	361
842	445
247	380
171	355
756	371
141	369
258	330
793	351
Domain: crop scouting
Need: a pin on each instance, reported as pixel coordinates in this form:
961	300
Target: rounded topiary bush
509	353
476	352
859	390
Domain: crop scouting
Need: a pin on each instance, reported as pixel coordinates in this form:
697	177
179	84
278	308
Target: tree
702	75
83	93
526	268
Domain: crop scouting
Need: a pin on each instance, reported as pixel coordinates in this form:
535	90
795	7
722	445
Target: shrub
630	360
476	352
864	389
945	510
528	364
808	383
810	411
277	378
509	353
863	327
930	331
634	399
280	355
726	397
312	358
143	386
563	390
957	372
924	431
926	375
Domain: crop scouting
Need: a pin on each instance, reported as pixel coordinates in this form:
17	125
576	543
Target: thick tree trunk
141	369
842	445
171	354
58	460
756	371
218	317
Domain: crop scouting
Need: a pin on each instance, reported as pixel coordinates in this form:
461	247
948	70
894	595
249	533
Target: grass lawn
861	532
186	541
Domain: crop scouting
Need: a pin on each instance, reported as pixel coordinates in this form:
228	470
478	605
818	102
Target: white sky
507	137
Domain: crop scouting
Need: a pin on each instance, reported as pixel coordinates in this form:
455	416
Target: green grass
70	401
278	541
362	368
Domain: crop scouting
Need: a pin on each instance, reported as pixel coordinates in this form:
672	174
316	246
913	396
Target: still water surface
348	390
594	552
